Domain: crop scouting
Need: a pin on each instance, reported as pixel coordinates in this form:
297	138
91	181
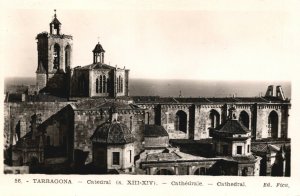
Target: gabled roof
233	127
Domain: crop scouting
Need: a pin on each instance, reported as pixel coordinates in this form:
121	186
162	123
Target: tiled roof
118	105
153	99
221	99
265	147
245	158
102	103
45	98
155	131
96	66
98	48
163	157
192	100
55	21
112	133
232	126
273	99
203	100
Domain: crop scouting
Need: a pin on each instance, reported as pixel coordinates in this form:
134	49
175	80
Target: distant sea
187	88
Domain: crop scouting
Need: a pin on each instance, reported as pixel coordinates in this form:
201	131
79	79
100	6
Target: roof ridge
264	99
208	99
175	100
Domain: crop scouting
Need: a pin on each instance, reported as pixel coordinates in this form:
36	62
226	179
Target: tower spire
55	25
98	53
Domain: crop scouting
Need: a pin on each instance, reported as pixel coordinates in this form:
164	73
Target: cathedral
82	120
54	74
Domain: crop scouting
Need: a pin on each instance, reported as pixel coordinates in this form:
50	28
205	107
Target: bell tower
54	58
55	25
98	54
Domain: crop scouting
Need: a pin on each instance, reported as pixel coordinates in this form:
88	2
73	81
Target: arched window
120	81
273	125
181	121
121	84
97	85
67	56
56	55
244	119
107	85
104	84
131	123
214	118
100	85
117	85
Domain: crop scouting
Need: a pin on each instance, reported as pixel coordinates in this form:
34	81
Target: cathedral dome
112	133
98	48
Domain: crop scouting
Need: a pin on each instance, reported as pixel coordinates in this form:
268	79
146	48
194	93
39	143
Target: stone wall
168	118
180	168
199	120
126	82
120	73
156	142
284	121
124	161
59	133
263	112
41	81
62	41
149	113
20	113
86	122
202	121
78	76
95	74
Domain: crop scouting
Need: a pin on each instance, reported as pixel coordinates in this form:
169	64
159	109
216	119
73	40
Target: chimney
23	97
270	92
279	93
114	117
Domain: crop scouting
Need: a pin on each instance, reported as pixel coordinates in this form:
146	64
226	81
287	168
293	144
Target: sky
170	40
